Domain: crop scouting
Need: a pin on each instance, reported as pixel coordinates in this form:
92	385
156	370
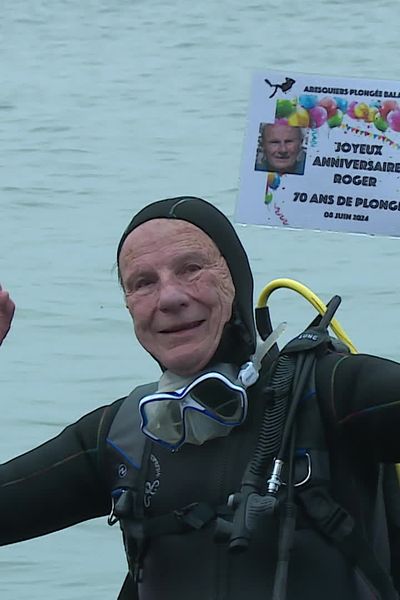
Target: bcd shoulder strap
127	454
126	445
334	521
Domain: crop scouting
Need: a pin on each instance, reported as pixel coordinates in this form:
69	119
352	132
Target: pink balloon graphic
350	110
330	105
387	106
393	119
319	116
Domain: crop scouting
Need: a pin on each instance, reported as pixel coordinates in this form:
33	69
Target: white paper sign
322	153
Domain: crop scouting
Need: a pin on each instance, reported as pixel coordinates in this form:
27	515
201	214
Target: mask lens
218	397
166	423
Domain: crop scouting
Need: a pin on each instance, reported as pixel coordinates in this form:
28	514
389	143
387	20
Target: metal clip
112	518
308	475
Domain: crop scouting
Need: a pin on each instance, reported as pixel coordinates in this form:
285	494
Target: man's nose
172	295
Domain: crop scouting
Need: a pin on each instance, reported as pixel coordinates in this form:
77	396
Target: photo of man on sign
280	149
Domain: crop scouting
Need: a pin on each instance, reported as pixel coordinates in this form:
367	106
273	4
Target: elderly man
7	308
282	149
165	459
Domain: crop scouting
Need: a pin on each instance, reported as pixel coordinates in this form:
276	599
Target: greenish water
104	107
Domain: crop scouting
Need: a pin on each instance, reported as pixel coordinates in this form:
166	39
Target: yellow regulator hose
318	305
312	298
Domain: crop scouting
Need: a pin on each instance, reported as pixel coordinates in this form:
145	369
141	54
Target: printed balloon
380	123
336	119
393	119
350	110
284	108
273	180
318	116
300	118
330	105
268	198
341	103
387	106
372	112
308	101
361	110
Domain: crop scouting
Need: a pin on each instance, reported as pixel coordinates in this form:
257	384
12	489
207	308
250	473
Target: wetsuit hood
239	337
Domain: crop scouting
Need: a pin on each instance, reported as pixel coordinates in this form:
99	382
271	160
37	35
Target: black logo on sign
285	86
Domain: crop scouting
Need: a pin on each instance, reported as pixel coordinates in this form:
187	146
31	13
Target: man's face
281	146
178	290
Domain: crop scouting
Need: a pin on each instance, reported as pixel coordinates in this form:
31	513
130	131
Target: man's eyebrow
199	254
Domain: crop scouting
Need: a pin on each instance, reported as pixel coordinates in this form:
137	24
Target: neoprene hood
239	337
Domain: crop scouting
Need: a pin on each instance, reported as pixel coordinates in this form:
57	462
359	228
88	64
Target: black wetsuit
60	483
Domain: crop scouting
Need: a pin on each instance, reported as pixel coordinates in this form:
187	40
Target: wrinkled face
178	290
281	146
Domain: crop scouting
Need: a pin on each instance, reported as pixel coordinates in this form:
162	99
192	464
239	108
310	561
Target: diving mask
204	407
209	406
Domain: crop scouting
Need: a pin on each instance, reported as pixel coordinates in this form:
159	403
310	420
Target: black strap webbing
339	527
137	534
191	517
194	516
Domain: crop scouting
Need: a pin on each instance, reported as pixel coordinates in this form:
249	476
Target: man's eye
142	283
192	268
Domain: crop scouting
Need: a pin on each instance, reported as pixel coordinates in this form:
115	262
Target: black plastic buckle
339	524
329	516
195	515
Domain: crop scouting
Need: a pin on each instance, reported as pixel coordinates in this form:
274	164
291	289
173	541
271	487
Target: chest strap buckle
195	515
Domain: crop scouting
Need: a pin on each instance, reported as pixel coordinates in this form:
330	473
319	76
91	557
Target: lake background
108	105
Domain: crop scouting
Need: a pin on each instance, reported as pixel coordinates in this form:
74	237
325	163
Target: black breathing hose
269	438
277	432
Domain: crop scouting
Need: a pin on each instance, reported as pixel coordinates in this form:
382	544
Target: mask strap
249	372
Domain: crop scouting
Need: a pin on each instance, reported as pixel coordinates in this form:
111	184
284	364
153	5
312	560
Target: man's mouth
182	327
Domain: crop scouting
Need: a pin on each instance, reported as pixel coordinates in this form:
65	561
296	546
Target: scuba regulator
258	497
